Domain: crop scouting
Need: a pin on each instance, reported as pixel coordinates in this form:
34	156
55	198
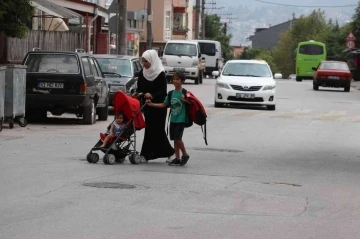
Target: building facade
268	38
171	19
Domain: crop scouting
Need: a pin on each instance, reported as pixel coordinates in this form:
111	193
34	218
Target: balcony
180	6
180	30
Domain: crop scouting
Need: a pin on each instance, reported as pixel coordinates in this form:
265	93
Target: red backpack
195	111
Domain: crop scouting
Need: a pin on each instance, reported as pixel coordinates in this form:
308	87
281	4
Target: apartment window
167	20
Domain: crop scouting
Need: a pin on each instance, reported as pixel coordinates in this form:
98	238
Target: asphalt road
289	173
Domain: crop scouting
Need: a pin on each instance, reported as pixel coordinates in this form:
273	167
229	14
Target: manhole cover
110	185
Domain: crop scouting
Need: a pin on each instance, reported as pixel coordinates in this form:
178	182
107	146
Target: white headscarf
156	65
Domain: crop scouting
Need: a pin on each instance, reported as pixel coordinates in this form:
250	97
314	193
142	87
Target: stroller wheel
135	158
94	158
109	159
120	160
22	122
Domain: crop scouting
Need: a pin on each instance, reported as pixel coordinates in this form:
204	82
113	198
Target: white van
184	56
211	53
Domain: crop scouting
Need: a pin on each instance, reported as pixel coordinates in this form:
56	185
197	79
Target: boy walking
178	117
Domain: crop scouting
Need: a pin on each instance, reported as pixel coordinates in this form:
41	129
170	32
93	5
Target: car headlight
196	62
164	62
269	87
223	85
115	88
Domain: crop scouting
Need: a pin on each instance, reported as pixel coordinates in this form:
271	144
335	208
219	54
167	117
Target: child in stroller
115	129
123	142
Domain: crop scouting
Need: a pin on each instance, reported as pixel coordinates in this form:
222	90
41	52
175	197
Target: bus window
311	50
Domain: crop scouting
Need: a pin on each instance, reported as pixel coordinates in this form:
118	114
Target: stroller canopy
130	107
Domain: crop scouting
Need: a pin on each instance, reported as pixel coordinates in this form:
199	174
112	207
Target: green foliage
257	53
15	17
312	27
214	31
355	24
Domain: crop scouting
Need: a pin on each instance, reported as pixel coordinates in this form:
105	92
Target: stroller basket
125	143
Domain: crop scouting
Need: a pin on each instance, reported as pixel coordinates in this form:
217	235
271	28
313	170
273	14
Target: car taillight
82	89
297	70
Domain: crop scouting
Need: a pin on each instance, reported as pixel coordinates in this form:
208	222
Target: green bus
309	54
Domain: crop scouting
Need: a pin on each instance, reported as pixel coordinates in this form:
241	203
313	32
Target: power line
291	5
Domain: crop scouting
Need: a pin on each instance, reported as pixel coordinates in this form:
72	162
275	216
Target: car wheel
298	79
89	116
271	107
218	105
347	89
168	78
104	111
315	87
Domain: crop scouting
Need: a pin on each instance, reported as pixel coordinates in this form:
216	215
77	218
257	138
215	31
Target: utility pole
149	36
203	20
197	19
122	23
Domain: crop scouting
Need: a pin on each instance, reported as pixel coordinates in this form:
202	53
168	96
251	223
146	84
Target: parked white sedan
245	82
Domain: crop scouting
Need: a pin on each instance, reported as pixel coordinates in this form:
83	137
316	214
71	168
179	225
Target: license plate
245	96
179	69
54	85
333	77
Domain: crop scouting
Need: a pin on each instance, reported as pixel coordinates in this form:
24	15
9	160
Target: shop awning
54	9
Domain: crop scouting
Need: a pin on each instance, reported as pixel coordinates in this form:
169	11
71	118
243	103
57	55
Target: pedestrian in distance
152	85
177	101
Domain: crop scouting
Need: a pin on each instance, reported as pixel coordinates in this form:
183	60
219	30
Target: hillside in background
251	15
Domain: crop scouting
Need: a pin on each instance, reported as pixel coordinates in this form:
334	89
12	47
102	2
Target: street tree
355	24
214	30
15	17
312	27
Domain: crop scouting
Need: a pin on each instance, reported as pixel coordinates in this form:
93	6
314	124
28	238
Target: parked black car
121	73
65	82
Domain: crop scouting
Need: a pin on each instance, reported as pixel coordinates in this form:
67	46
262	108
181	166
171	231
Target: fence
13	50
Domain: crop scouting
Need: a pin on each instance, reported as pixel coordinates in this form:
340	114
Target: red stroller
124	144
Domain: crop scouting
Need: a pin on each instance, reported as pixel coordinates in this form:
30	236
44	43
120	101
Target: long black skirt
156	143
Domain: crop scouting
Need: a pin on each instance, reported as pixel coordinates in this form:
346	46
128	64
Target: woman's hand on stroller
148	96
148	102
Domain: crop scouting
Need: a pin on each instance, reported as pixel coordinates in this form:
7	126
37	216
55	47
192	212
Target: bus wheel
298	79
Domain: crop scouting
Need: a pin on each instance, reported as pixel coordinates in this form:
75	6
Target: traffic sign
351	37
350	44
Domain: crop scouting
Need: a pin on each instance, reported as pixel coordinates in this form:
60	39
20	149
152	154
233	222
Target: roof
182	41
54	9
59	52
126	57
248	61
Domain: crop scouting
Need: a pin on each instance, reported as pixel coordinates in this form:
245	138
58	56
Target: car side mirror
314	68
215	73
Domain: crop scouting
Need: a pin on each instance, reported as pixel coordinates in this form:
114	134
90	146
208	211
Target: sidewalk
355	84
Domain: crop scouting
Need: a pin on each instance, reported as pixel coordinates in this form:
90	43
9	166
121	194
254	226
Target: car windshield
207	48
180	49
247	69
52	63
334	66
114	65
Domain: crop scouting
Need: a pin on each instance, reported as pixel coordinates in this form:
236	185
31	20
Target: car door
89	76
99	81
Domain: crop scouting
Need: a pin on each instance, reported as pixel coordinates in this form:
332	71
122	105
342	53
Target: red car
332	74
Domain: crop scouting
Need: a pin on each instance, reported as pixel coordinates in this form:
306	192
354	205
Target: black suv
121	73
65	82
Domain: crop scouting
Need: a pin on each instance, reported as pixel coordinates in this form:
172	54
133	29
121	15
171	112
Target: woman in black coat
153	85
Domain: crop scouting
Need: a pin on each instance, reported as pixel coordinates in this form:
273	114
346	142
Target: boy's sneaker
184	160
175	162
170	158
